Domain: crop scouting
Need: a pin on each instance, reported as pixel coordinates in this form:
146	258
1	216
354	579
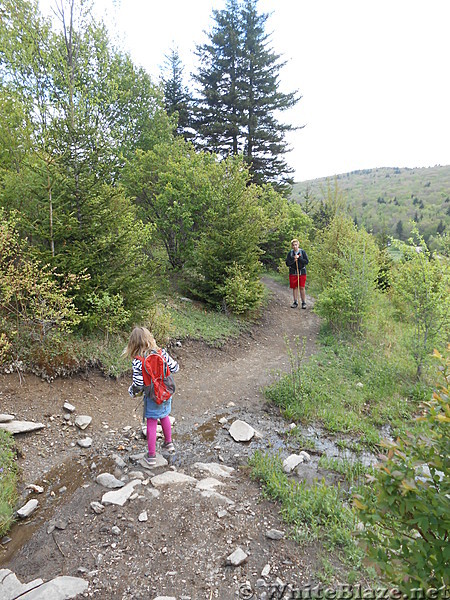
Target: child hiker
140	344
297	260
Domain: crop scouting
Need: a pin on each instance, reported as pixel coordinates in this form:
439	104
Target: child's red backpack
158	382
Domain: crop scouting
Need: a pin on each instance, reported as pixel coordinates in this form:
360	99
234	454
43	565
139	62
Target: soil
181	550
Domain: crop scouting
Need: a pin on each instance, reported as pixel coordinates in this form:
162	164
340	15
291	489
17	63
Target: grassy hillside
381	198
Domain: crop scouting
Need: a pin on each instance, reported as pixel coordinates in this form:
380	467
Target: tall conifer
239	95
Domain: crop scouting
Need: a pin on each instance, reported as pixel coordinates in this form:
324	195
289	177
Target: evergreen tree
177	98
218	107
239	96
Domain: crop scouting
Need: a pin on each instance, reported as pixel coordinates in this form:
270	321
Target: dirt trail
181	550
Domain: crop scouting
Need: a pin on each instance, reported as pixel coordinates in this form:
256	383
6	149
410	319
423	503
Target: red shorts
293	283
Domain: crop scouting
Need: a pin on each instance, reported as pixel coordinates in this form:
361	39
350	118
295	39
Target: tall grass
8	481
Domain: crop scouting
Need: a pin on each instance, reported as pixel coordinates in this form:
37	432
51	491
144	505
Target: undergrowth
354	385
8	481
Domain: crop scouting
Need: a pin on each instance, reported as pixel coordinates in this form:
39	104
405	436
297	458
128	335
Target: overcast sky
373	74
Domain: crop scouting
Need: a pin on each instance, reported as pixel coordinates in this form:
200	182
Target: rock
82	421
27	509
85	442
291	462
6	418
359	384
306	457
160	462
109	481
209	483
60	588
238	557
21	426
119	497
115	530
136	475
10	586
216	497
241	431
143	516
68	407
165	598
35	488
274	534
119	461
265	571
170	478
223	421
214	469
222	513
97	507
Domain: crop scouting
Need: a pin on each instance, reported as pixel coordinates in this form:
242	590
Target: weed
8	481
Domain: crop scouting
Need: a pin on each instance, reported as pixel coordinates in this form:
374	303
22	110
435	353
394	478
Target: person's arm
138	381
174	367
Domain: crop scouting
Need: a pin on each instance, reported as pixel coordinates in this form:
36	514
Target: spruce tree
239	95
219	79
177	98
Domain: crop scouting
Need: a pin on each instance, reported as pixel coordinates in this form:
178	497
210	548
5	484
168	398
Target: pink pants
151	433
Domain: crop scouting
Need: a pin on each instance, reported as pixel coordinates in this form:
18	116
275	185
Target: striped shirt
138	380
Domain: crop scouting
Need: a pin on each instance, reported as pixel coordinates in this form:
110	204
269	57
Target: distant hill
380	199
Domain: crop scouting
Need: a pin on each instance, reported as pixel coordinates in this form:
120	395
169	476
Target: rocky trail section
193	527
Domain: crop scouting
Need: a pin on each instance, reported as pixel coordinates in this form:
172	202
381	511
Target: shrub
8	480
345	265
406	510
420	292
242	292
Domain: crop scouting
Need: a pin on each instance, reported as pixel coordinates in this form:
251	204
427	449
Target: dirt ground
181	550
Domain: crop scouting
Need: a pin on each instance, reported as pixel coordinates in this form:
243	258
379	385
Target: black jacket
302	262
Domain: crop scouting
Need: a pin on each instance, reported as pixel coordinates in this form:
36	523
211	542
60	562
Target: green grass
318	512
8	481
193	321
354	385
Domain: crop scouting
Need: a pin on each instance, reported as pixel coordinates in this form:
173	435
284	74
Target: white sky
373	74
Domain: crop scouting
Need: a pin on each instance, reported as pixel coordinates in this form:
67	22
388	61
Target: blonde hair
141	340
295	240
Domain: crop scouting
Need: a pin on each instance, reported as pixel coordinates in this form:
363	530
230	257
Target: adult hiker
297	260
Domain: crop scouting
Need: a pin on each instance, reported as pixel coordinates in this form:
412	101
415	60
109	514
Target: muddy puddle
59	484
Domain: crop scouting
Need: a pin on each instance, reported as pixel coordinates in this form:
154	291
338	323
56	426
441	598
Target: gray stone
306	457
165	598
27	509
214	469
82	421
115	530
291	462
172	478
209	483
143	516
119	497
238	557
21	426
265	571
69	407
85	442
241	431
217	498
274	534
60	588
35	488
109	481
119	461
97	507
6	418
10	586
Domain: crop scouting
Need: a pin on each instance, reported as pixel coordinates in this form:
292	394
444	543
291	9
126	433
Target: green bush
8	481
406	507
241	291
345	265
420	292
